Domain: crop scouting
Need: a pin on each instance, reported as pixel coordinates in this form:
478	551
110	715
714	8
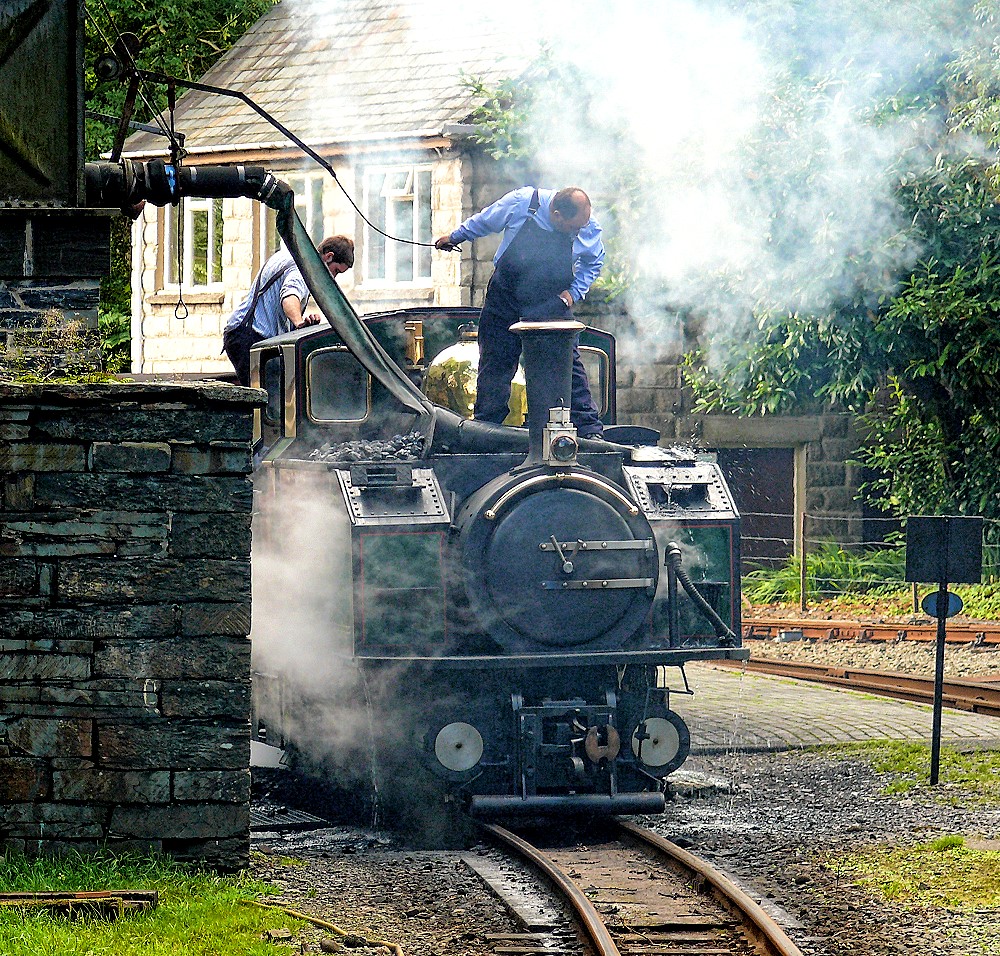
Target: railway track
633	893
978	697
976	632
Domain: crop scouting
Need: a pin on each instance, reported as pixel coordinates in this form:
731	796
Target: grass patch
944	873
966	778
199	913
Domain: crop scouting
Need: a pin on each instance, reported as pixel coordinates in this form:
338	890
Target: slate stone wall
124	614
50	264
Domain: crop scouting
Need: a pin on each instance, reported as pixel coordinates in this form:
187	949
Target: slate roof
340	71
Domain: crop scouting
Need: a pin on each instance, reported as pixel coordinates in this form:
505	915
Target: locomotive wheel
661	743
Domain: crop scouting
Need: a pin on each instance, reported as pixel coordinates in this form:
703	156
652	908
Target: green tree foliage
181	38
920	366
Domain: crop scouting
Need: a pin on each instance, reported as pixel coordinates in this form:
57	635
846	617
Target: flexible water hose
722	630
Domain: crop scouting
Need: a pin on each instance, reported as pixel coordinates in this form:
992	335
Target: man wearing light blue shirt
550	255
277	301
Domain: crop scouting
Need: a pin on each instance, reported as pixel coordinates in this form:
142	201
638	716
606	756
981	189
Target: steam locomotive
496	608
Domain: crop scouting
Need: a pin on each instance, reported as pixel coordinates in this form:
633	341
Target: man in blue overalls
550	255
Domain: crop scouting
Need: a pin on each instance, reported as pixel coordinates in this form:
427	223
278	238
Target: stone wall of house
181	330
163	342
124	614
50	261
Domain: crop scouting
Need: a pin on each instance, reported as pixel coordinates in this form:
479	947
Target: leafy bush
859	578
830	569
116	336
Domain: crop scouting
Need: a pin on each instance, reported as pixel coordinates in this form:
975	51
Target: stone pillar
124	614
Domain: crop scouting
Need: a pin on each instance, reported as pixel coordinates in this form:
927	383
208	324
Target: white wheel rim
458	746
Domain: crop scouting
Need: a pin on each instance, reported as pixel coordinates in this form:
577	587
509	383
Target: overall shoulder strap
277	277
535	203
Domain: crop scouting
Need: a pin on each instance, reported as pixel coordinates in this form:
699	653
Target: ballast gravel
771	820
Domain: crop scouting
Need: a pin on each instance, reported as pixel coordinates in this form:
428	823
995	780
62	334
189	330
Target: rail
586	912
616	860
769	936
976	632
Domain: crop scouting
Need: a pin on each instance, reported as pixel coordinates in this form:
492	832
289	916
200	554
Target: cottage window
398	201
308	191
193	243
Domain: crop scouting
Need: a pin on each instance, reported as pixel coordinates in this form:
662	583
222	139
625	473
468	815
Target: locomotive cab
319	391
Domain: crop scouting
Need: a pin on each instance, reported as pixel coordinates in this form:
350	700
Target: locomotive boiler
505	611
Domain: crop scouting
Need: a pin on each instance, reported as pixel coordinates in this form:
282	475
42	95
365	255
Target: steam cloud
303	628
302	612
735	140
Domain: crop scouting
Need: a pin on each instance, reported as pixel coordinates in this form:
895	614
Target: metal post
916	598
942	617
802	562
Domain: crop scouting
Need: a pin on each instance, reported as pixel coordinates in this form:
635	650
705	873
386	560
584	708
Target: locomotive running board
489	806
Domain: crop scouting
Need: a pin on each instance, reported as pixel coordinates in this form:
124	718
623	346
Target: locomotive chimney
547	354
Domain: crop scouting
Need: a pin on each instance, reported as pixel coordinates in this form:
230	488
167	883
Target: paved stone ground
731	710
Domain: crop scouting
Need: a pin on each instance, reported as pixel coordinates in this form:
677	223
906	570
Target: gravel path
430	904
778	813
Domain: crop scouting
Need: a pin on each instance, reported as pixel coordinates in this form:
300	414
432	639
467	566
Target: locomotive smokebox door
557	559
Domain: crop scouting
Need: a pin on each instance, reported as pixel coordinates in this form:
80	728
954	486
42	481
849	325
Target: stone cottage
381	97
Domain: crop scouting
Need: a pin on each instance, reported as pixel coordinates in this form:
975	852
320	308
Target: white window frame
409	190
310	191
213	258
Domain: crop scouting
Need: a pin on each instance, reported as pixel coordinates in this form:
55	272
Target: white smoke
730	147
302	628
301	555
745	131
310	686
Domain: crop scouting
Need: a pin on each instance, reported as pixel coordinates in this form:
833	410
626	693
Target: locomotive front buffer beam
570	756
591	803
